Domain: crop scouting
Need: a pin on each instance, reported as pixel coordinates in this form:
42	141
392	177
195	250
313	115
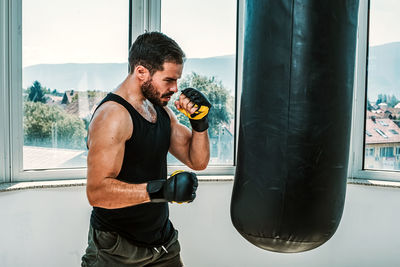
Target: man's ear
142	73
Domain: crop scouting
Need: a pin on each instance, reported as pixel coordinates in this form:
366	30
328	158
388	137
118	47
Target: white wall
48	227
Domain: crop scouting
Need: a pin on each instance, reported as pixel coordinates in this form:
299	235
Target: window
61	57
209	42
381	132
386	152
383	123
73	53
376	94
369	152
382	79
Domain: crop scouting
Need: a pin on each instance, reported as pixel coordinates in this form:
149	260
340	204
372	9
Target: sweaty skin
112	126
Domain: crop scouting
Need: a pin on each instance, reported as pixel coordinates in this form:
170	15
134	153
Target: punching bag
295	119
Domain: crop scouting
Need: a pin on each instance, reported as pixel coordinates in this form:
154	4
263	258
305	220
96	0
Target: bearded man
129	137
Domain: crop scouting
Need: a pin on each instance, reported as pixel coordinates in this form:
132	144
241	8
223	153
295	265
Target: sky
96	31
74	31
384	22
203	28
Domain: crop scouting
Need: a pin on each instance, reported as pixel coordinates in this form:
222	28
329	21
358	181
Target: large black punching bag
295	118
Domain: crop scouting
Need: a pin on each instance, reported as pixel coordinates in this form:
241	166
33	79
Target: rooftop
379	131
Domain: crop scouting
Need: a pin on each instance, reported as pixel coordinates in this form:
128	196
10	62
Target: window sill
371	182
6	187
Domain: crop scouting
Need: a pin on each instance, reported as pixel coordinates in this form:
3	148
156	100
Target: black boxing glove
180	187
199	119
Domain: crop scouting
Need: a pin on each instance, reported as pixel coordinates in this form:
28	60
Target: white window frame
221	170
356	170
146	16
4	96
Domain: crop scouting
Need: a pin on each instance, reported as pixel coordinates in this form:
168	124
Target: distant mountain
223	68
80	77
107	76
384	70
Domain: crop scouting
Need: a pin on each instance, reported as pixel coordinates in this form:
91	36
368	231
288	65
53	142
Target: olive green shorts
109	249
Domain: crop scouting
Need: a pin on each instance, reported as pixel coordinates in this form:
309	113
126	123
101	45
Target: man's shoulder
111	121
111	109
111	114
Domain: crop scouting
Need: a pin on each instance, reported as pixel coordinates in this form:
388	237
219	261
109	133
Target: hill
105	77
384	70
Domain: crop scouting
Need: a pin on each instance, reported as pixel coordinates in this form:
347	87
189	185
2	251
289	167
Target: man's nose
174	87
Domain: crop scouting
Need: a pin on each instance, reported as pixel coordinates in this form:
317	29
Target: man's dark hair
152	50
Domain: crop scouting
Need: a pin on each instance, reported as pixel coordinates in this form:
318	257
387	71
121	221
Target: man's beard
152	95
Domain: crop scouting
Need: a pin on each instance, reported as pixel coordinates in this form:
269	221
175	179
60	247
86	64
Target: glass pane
73	53
206	31
382	138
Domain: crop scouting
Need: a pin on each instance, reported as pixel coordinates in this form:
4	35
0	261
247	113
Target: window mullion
4	103
154	15
358	121
239	70
15	88
137	19
146	16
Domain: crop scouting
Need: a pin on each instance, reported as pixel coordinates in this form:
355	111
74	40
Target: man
129	137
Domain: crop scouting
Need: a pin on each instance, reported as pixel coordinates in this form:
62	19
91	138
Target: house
383	106
394	113
84	102
222	145
67	97
53	99
382	144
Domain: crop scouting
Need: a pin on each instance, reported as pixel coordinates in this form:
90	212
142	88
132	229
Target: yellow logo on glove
198	114
176	172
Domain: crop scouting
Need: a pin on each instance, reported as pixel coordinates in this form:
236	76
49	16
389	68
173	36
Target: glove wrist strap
200	125
154	189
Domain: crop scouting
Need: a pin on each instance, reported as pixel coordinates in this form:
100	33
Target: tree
222	103
390	100
44	124
36	93
369	106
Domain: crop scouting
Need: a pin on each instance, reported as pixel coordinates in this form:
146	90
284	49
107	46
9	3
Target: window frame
145	15
222	170
357	148
4	103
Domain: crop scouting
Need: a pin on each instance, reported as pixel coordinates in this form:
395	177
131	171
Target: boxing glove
199	119
180	187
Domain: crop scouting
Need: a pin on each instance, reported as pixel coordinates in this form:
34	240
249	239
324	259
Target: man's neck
130	90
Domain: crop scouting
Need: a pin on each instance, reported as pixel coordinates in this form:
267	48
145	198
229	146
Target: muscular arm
190	147
110	128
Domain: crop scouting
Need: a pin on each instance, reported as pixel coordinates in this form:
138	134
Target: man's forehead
172	66
172	70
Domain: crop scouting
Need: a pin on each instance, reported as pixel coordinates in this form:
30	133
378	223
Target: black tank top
145	159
